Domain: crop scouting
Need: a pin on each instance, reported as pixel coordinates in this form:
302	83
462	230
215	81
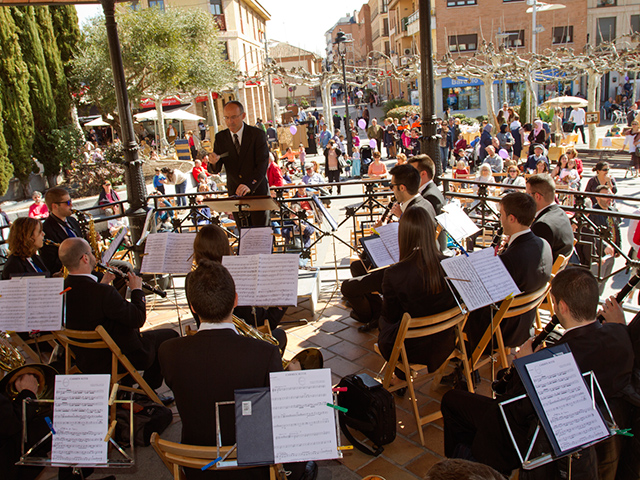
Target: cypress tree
67	33
43	106
6	170
54	65
14	91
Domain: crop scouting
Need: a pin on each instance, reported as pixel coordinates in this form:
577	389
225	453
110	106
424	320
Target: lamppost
341	40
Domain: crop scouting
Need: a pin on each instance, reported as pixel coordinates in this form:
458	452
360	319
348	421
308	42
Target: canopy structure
97	122
564	102
171	115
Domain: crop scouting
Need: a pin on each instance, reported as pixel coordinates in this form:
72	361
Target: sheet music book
304	427
264	280
114	245
168	253
146	229
480	278
383	249
560	396
80	420
456	222
256	241
31	303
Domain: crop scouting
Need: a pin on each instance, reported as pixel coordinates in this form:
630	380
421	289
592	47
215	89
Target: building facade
288	56
357	27
381	48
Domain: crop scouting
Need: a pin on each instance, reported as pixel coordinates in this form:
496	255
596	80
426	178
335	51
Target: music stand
241	206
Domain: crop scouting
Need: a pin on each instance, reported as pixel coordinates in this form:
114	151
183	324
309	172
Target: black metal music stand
242	206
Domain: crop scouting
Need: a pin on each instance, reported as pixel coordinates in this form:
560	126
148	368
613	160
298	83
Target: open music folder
383	249
480	278
456	223
168	253
31	303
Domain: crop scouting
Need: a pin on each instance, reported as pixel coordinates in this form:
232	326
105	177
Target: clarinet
121	274
500	385
622	294
387	210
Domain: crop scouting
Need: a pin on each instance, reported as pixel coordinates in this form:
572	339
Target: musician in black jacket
58	226
90	304
551	223
25	238
246	160
473	426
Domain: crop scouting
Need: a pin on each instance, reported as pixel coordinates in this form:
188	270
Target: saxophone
93	234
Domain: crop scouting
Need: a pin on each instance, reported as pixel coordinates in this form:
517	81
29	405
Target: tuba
13	362
10	357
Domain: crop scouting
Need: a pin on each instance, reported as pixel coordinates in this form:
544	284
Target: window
635	23
157	3
463	43
514	38
461	98
562	35
606	30
225	51
607	3
215	7
135	5
461	3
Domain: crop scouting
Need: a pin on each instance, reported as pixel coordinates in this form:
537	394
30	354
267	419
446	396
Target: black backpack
371	410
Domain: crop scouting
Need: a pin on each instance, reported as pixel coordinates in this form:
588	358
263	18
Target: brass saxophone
93	234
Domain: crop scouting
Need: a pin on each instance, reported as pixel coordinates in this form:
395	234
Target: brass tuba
10	357
45	375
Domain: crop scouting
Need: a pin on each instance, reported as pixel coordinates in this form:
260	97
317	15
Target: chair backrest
524	303
559	264
79	338
425	326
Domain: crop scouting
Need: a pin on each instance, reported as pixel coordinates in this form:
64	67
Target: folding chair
423	327
26	345
100	339
546	304
509	308
176	456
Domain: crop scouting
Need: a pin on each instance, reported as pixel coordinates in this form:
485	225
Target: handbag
370	409
342	163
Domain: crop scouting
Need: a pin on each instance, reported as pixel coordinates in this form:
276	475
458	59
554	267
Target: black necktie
236	142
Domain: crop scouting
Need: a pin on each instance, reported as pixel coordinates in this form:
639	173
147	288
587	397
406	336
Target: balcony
219	19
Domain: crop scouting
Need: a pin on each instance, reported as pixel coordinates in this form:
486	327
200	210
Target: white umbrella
150	115
97	122
182	115
564	102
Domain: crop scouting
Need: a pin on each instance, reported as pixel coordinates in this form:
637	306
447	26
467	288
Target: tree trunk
326	105
212	113
163	133
533	100
489	98
593	79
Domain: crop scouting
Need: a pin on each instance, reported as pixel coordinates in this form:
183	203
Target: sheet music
244	271
154	248
473	293
13	305
606	142
168	253
495	276
566	401
114	245
146	229
379	254
283	291
44	304
80	420
264	280
256	240
304	427
456	222
389	236
178	257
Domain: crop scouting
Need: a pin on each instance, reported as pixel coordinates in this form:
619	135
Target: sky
302	23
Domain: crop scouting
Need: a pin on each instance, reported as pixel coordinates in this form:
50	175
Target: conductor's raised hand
242	190
135	282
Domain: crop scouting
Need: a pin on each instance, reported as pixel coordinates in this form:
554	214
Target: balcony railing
414	17
222	24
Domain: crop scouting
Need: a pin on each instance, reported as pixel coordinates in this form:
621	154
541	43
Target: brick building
288	57
357	27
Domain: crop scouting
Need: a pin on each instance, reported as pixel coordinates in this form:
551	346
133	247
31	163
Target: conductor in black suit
246	161
528	260
473	426
551	223
90	304
225	361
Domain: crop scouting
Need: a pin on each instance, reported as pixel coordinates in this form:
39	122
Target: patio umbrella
150	115
564	102
182	115
97	122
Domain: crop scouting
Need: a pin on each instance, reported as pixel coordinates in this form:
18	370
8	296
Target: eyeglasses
605	170
395	185
68	202
231	117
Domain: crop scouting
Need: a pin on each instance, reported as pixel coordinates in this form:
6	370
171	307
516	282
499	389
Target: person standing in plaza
578	117
246	160
332	168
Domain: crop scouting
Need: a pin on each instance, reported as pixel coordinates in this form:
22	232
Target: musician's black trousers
359	292
147	358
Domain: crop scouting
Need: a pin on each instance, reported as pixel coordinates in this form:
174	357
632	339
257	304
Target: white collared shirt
217	326
95	279
422	187
576	327
239	133
516	235
403	206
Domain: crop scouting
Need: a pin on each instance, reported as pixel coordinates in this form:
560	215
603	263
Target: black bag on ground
148	417
371	410
567	127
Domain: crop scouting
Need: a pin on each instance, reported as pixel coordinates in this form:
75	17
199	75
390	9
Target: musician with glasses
209	366
473	426
246	158
59	225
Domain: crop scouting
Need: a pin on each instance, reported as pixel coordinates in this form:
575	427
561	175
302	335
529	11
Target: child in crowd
569	175
355	162
302	154
402	159
461	169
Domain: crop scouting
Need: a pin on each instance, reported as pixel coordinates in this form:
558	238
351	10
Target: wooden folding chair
546	304
423	327
509	308
100	339
26	345
176	456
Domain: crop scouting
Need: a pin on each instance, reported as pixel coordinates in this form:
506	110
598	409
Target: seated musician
473	427
360	290
528	260
209	366
25	239
416	285
89	304
212	243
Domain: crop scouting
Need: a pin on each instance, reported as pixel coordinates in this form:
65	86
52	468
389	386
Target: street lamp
341	40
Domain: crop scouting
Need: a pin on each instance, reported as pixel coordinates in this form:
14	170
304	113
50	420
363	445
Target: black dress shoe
367	327
310	471
166	400
356	317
